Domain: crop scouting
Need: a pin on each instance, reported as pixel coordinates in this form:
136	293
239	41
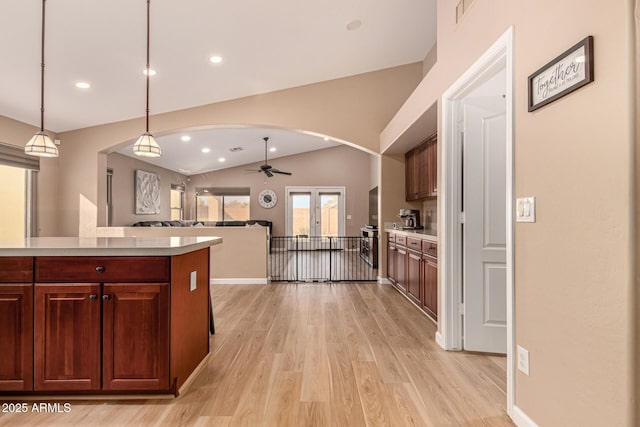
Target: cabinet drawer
401	240
391	237
102	269
415	244
16	269
430	248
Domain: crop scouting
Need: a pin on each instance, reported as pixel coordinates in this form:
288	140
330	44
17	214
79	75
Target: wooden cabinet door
16	337
391	262
433	168
410	177
430	286
401	260
67	337
423	176
413	273
135	336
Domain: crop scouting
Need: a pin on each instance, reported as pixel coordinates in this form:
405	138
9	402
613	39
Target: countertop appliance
411	219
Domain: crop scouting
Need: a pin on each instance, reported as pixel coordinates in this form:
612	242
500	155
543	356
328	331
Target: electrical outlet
523	360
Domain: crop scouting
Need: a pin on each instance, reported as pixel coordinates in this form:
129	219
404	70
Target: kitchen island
102	315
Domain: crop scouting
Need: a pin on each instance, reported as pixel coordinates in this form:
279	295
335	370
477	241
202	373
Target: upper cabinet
421	167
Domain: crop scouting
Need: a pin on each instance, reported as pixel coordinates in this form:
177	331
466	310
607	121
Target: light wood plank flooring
315	355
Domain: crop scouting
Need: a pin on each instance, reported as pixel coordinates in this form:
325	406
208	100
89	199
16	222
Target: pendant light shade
146	145
40	144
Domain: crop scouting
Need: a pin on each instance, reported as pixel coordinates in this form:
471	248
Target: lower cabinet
16	332
117	332
412	267
430	286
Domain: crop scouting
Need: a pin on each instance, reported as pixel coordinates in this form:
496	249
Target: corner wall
574	266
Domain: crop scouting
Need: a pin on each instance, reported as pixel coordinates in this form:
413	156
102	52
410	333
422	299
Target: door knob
106	297
93	297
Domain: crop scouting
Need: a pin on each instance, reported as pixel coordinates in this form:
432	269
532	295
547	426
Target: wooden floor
316	355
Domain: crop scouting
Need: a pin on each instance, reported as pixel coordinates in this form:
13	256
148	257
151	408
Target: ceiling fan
267	168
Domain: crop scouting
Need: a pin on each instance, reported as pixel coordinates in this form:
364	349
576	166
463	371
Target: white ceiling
187	157
265	46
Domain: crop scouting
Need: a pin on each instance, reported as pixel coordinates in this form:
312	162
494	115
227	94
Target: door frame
315	190
499	55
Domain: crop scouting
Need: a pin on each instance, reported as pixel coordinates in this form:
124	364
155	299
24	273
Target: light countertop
105	246
430	235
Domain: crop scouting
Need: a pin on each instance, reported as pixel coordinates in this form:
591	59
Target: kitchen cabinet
421	176
413	270
16	318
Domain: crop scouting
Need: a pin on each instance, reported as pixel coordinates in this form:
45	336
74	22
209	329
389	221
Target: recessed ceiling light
326	138
206	150
354	25
222	159
216	59
152	72
272	149
83	85
185	138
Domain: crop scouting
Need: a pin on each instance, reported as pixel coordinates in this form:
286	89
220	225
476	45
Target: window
222	204
177	202
18	192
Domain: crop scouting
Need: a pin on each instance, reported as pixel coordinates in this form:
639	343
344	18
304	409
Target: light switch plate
526	209
192	281
523	360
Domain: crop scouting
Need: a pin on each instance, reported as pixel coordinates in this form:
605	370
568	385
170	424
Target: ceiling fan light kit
266	167
146	145
40	144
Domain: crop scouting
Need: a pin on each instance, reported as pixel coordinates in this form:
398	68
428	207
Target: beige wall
124	168
430	60
573	267
336	166
635	291
353	109
18	134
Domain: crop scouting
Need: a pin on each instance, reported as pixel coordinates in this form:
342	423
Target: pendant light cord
42	72
148	66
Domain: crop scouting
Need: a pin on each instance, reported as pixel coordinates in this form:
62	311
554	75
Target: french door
315	212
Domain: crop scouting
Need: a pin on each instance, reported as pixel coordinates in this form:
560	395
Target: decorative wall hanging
267	199
564	74
147	193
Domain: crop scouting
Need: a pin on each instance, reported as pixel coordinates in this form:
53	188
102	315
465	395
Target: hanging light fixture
40	144
146	145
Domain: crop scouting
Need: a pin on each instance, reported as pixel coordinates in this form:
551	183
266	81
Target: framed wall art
147	193
569	71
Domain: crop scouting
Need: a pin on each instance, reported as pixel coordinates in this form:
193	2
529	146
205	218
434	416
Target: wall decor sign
564	74
147	193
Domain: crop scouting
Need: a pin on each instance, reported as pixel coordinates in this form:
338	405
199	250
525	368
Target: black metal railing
323	259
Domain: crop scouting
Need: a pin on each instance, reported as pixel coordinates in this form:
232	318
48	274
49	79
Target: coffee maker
411	219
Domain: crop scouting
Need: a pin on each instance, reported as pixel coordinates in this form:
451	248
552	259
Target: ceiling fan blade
268	173
280	172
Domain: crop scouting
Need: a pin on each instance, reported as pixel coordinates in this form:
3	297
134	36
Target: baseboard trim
257	281
521	419
440	340
384	281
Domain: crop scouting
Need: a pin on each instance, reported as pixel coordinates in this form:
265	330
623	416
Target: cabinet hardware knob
93	297
100	269
106	297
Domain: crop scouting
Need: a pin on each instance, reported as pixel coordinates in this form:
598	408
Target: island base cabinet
16	319
135	336
67	337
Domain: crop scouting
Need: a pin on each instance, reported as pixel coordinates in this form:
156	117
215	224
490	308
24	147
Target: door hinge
461	309
461	217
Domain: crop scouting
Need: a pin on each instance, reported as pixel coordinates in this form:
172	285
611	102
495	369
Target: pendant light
40	144
146	145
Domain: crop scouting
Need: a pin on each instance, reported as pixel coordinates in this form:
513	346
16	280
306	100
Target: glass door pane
301	214
13	194
329	214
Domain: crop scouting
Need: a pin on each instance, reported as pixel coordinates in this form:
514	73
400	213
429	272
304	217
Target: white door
484	231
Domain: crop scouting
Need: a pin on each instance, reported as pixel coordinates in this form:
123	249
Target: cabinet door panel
414	261
136	336
401	262
16	337
430	279
67	337
391	262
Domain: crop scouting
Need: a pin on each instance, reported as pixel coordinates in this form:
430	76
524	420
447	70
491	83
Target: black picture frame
562	75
